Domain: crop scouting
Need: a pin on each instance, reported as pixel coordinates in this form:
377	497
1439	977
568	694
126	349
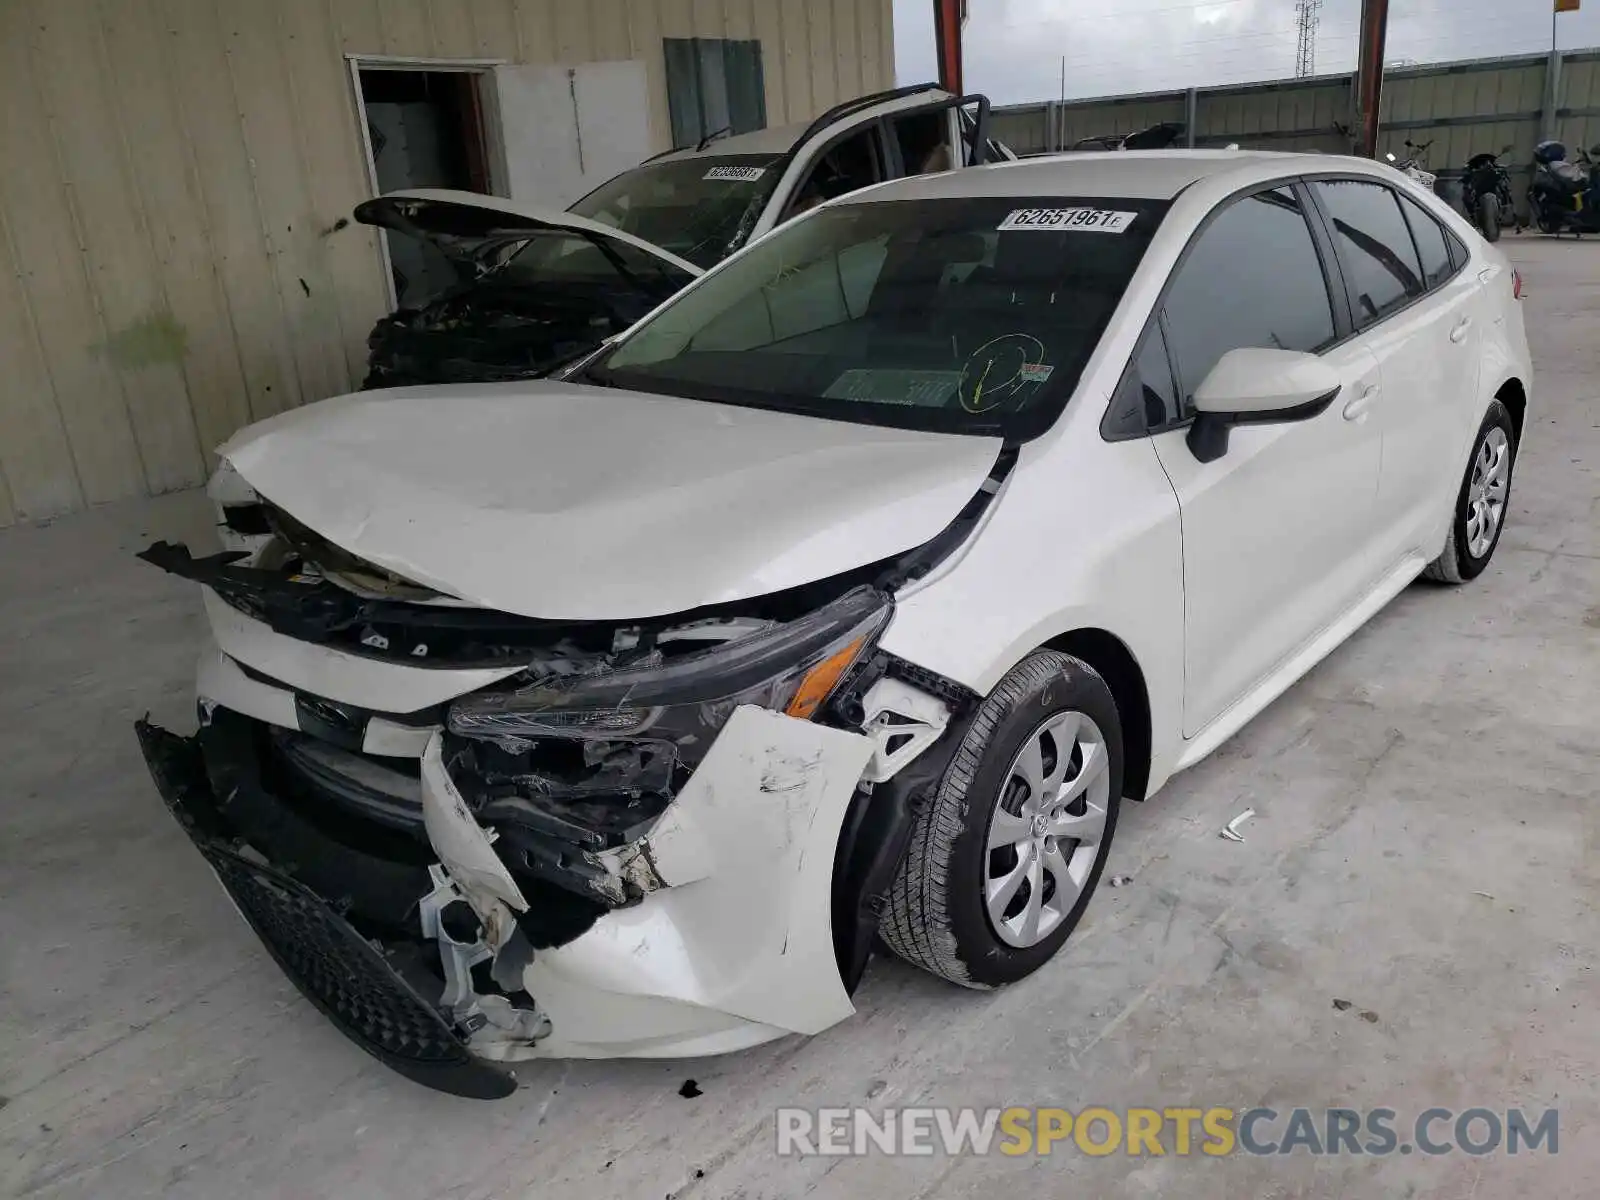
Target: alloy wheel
1487	491
1046	829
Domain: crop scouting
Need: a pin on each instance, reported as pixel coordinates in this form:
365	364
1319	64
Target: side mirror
1258	387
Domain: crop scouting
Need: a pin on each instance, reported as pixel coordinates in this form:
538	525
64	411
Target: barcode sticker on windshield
736	174
1078	220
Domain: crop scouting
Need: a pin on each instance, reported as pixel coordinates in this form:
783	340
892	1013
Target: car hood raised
569	502
464	224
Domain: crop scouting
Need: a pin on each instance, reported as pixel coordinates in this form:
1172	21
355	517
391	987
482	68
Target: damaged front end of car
533	289
473	838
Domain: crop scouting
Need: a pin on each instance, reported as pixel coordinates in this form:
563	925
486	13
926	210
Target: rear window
1381	269
1431	244
964	315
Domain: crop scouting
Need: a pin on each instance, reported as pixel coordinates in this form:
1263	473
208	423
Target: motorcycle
1413	165
1486	194
1564	196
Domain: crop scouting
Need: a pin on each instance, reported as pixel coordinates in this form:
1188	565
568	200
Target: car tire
1487	482
938	914
1489	217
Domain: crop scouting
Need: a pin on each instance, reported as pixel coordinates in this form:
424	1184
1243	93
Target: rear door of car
1277	533
1414	307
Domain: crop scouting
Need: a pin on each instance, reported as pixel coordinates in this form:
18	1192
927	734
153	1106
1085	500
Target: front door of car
841	160
940	136
871	146
1277	532
1416	315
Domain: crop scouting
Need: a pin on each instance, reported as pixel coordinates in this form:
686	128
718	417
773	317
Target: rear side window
1252	279
1380	263
1429	235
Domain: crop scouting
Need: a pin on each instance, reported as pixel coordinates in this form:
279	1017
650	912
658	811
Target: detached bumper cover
729	945
336	968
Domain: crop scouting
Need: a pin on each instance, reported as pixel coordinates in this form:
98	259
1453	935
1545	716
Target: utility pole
1307	15
1553	69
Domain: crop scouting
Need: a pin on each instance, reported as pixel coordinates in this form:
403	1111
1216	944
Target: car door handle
1460	331
1356	409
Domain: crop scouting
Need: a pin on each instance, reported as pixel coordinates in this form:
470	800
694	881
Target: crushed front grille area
342	973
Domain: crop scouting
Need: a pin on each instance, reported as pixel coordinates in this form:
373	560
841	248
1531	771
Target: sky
1014	48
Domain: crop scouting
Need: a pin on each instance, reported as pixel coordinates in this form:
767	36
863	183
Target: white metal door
563	131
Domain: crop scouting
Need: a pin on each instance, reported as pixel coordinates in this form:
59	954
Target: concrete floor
1426	847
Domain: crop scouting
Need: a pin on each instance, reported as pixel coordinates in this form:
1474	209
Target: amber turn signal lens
821	680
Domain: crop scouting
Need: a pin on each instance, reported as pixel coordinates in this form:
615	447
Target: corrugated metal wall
1462	108
174	171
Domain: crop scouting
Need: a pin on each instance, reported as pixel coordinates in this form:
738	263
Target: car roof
781	139
778	139
1134	174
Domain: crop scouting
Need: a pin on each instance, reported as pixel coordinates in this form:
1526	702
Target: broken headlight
792	668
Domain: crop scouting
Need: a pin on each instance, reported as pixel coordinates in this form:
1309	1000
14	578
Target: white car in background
844	598
527	288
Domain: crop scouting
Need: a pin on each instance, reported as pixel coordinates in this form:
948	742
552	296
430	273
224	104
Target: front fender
1092	543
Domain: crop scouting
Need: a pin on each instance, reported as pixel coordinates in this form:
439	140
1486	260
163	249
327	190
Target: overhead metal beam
948	16
1369	75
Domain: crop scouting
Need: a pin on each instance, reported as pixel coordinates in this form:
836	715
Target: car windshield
694	207
971	315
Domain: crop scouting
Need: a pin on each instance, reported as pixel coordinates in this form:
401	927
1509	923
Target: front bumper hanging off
726	941
341	972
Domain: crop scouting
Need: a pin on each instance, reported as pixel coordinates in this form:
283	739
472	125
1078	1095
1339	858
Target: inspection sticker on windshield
1079	220
1035	372
736	174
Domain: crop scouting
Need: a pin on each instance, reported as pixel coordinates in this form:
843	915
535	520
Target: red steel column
947	41
1369	73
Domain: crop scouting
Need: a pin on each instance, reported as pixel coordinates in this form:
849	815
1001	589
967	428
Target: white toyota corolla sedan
840	602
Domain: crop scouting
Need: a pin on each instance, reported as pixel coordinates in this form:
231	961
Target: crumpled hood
568	502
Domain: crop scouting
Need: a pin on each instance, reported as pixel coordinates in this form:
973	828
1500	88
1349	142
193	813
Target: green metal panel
714	84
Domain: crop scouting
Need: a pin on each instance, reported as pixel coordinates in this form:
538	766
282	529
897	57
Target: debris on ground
1230	831
1119	881
1366	1014
690	1089
877	1088
1485	895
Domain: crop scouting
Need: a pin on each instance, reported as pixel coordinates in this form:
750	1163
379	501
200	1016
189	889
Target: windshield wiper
713	136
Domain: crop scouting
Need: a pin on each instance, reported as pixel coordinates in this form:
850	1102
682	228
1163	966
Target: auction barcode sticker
1086	220
738	174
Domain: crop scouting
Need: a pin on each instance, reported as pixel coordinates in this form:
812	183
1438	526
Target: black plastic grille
337	969
335	966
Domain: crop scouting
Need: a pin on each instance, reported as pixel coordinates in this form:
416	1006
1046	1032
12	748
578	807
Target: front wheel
1480	511
1003	861
1489	217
